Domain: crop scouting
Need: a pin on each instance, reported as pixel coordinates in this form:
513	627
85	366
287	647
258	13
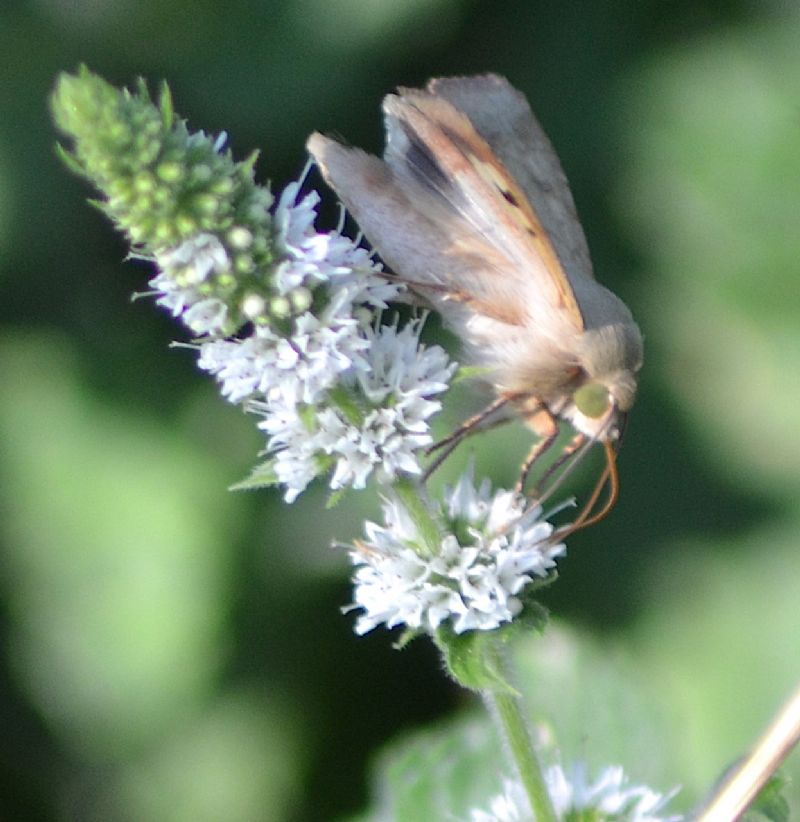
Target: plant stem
510	712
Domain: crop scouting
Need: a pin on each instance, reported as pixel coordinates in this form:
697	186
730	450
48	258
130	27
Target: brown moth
470	207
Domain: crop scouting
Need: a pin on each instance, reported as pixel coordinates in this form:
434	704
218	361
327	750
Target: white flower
310	258
244	367
192	262
610	794
300	365
182	273
206	316
509	806
305	259
496	547
397	365
607	798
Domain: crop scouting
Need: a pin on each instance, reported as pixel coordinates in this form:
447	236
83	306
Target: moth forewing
430	142
401	222
502	116
419	237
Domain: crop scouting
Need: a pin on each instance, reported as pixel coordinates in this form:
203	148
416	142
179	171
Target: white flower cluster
608	799
494	547
395	376
337	392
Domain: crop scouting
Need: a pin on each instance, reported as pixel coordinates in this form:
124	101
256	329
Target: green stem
512	718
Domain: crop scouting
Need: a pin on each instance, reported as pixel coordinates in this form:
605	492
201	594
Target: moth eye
592	400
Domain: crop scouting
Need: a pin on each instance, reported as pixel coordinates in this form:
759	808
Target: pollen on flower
496	546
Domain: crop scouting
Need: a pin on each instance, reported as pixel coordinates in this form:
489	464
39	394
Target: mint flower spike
288	319
494	546
608	799
177	195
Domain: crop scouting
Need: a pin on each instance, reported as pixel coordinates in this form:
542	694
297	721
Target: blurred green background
173	651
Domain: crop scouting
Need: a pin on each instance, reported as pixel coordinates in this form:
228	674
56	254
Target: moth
470	207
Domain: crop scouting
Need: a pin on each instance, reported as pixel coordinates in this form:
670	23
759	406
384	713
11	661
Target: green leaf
534	616
335	497
166	107
70	161
262	476
346	403
770	805
468	372
598	702
413	498
438	774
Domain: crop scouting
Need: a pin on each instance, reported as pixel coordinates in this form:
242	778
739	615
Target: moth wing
502	116
418	235
433	143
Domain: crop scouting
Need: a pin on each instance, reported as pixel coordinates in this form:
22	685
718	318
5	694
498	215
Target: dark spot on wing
510	198
424	165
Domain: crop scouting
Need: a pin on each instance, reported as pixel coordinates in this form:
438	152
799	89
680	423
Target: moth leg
448	294
443	455
570	449
546	425
469	426
415	285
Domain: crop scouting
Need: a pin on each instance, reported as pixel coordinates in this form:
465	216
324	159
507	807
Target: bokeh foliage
173	651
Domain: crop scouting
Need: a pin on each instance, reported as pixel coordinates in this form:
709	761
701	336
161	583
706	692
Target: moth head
599	408
609	362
